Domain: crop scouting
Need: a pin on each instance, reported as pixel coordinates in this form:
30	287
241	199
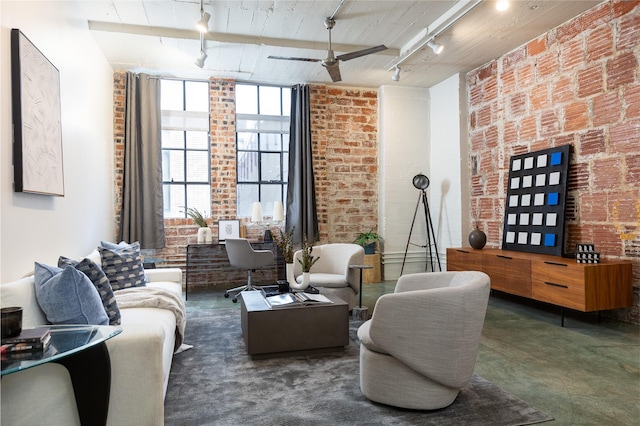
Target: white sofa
140	363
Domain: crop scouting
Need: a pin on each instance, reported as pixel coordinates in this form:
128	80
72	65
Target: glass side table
81	349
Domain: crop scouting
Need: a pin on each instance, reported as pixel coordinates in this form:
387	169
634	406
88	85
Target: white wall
38	227
449	197
403	153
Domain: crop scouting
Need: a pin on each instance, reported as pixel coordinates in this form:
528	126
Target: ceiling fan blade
334	72
363	52
291	58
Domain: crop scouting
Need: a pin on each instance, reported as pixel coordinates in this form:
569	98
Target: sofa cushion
67	296
100	281
122	263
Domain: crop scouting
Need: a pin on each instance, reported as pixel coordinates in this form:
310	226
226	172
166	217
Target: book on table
22	347
292	299
29	335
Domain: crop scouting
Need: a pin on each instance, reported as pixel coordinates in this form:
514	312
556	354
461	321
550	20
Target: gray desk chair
242	255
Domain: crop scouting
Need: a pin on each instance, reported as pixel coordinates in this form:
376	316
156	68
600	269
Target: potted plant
204	233
284	242
368	240
307	260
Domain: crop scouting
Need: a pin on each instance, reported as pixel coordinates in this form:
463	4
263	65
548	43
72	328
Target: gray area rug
217	383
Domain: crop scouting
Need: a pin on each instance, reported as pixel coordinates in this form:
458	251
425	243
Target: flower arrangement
307	260
197	217
284	241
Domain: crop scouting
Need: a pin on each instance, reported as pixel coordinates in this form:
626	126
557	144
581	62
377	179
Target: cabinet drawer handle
462	251
556	263
504	257
556	285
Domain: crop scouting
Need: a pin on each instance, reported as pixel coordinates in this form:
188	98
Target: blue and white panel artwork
535	203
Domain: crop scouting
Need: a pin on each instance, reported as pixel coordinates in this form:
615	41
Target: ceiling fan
332	62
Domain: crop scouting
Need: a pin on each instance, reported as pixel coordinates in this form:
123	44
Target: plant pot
477	239
291	278
370	248
204	235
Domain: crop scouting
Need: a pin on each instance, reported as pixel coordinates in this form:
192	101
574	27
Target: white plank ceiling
160	36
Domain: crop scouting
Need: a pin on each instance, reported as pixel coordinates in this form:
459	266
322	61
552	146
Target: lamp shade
256	212
278	211
200	61
203	23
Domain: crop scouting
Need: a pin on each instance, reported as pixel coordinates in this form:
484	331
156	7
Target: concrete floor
585	373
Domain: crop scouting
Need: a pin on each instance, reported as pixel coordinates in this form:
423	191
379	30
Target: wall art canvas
228	229
535	205
37	132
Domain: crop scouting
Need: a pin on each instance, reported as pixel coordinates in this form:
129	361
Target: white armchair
331	272
419	347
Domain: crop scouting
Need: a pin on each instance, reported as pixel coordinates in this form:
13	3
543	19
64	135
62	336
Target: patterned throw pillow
123	265
100	281
67	296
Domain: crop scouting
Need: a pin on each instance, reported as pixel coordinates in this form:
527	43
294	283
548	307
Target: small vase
477	239
305	280
204	235
291	278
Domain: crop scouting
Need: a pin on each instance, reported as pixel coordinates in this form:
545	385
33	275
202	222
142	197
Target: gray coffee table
292	330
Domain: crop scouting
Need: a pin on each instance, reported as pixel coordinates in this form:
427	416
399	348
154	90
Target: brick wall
578	84
345	141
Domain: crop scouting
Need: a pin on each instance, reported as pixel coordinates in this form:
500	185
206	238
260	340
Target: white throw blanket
149	297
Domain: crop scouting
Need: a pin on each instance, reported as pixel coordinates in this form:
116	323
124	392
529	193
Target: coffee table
292	330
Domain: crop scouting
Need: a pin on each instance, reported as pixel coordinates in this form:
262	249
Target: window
262	146
186	161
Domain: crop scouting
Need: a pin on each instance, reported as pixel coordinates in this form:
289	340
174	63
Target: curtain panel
142	217
302	213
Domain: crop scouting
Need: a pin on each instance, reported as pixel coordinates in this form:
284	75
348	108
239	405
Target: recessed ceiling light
502	5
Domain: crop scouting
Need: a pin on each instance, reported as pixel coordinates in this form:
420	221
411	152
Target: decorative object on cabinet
550	279
535	204
477	239
37	130
586	253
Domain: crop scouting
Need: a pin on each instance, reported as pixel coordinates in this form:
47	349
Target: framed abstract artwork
535	204
228	229
37	133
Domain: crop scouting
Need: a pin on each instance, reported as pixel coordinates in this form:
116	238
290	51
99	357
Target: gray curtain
142	213
301	195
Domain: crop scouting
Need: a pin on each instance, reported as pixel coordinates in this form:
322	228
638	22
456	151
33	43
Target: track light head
396	74
437	48
203	23
200	61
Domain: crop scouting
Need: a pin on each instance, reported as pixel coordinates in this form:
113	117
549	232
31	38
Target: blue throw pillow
67	296
122	263
100	281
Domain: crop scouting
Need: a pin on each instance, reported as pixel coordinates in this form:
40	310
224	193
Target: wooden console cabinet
552	279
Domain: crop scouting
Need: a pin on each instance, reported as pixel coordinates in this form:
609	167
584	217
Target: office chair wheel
234	300
226	295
